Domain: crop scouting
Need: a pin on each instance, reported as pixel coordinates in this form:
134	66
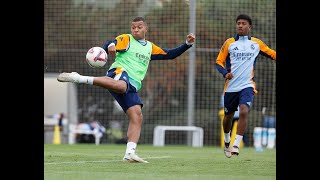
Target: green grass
88	161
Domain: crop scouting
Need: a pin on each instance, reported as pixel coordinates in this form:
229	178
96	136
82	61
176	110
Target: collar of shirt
243	37
142	41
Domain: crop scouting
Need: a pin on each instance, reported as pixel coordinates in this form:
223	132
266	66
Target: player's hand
228	76
191	38
112	50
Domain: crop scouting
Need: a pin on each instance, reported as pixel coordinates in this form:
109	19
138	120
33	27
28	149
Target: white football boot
235	151
132	157
227	150
69	77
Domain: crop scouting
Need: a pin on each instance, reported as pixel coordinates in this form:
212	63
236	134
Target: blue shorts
233	99
130	97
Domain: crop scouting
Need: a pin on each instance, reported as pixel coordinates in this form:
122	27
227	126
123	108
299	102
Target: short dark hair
245	17
139	18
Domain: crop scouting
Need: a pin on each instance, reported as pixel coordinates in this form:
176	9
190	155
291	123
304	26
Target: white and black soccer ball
97	57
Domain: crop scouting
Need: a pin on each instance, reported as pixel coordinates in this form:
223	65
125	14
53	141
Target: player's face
138	30
243	27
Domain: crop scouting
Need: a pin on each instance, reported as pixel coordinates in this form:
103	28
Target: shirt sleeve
222	57
121	42
159	53
265	50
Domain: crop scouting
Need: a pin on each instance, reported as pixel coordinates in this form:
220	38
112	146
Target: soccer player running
236	61
123	79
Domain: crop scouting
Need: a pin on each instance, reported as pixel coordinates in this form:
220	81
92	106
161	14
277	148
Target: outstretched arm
164	54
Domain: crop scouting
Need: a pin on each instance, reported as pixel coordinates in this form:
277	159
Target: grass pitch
104	162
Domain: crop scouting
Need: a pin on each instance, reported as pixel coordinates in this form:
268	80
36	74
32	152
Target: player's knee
244	114
121	86
135	114
138	114
229	117
244	109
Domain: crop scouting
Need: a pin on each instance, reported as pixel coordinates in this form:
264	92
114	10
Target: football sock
227	137
86	79
131	147
238	140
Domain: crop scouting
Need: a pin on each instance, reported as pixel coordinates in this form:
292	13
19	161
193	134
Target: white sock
131	147
238	140
227	137
86	79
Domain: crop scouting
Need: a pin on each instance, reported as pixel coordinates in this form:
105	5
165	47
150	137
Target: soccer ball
97	57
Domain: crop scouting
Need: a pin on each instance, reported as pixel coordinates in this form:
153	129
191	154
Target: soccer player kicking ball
124	78
235	62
